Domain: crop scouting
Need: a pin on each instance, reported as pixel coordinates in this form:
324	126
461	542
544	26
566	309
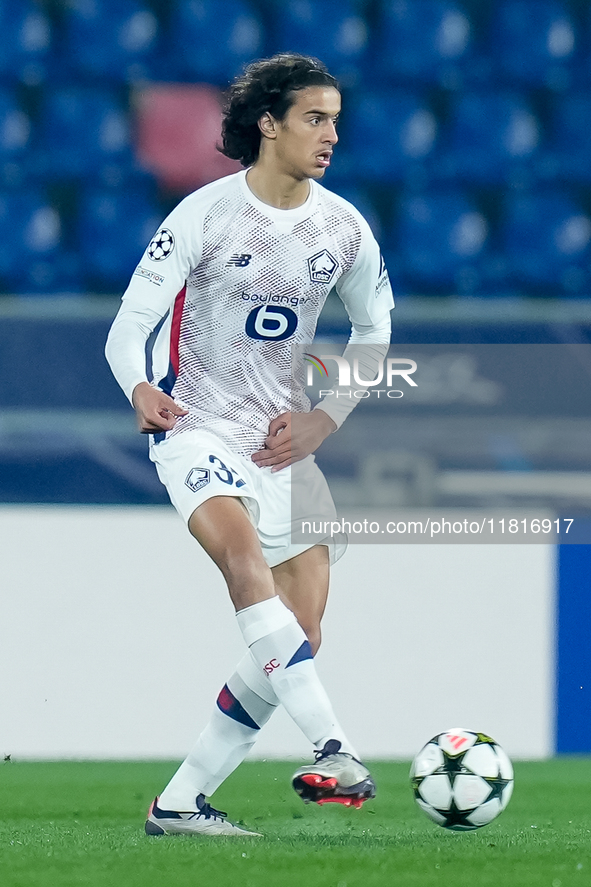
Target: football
462	779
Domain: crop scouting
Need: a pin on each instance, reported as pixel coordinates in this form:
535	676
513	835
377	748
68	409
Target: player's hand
155	410
281	449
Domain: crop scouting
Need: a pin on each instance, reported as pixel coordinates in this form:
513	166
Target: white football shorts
196	466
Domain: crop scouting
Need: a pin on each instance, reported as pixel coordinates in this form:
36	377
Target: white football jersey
227	284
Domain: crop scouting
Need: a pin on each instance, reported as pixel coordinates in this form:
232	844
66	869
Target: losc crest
197	478
322	267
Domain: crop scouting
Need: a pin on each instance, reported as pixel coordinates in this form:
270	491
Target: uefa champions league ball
462	780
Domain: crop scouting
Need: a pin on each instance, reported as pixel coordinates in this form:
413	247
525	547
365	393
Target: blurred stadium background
465	140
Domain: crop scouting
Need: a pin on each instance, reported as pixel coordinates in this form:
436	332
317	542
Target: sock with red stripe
243	706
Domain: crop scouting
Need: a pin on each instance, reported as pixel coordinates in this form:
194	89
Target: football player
236	275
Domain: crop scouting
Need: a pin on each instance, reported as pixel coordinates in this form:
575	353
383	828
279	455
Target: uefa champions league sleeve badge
161	246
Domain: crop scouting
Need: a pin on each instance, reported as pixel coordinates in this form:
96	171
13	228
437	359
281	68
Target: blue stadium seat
582	73
428	41
211	40
361	201
333	32
568	156
441	242
26	41
83	133
492	138
32	258
113	230
547	242
389	135
15	140
110	39
533	42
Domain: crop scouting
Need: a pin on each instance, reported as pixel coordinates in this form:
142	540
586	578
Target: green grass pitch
75	824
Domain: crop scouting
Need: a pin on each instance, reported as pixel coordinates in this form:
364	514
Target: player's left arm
366	293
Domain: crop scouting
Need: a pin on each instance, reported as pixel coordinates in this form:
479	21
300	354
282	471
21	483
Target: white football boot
335	777
206	821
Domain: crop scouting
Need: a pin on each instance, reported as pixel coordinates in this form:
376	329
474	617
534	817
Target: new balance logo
240	260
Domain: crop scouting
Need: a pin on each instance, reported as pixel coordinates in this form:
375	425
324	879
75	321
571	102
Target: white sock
241	710
282	651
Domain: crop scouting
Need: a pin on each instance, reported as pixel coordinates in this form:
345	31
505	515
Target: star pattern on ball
497	787
453	766
161	246
462	790
455	819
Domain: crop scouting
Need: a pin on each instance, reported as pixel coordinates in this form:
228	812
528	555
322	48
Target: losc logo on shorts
197	478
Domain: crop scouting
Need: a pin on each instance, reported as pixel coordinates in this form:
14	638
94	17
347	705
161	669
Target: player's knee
244	574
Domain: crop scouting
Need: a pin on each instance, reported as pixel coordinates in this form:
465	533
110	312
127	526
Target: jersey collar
283	218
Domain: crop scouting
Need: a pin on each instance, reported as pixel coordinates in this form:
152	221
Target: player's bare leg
302	583
247	700
279	644
277	641
222	527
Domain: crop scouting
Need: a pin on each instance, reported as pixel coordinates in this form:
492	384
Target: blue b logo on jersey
271	323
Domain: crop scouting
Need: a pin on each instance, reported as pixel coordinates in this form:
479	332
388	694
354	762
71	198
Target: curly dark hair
267	85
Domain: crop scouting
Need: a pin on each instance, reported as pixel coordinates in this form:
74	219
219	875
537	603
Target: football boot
205	821
334	777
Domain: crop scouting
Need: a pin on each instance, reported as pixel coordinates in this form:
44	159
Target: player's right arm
155	284
155	410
